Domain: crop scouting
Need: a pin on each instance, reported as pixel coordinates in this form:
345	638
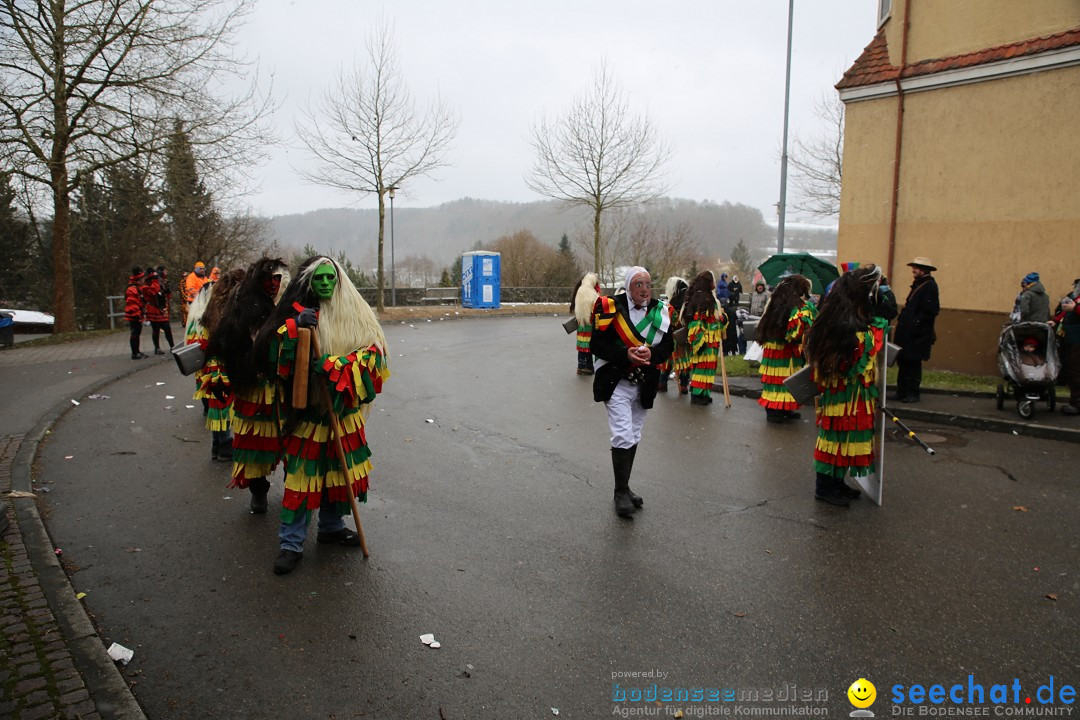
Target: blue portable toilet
480	279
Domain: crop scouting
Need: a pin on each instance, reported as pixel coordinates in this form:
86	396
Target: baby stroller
1029	376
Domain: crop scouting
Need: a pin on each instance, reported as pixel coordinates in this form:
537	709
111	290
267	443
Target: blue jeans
292	535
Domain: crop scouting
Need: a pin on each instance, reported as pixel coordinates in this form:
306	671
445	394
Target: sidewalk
54	663
975	411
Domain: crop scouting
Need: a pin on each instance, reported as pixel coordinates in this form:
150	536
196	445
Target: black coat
915	327
607	346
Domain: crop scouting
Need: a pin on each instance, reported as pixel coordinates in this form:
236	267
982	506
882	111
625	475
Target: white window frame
884	11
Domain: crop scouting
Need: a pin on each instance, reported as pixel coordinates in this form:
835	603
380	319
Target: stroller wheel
1000	397
1026	408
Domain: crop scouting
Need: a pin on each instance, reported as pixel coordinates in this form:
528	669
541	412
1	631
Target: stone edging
110	692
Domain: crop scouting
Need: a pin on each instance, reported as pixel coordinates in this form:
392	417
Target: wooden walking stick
723	377
336	432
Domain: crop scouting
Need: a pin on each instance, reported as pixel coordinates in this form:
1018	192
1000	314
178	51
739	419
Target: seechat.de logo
862	694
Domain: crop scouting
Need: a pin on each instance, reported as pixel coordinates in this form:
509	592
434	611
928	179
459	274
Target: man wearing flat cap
915	329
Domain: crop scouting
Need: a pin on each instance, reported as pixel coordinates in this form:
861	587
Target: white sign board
871	484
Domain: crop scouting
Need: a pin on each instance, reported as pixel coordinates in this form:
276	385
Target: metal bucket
189	358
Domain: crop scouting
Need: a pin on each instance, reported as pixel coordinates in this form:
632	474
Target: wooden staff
723	378
723	368
303	366
337	433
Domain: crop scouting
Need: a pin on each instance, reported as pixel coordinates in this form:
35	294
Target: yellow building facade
962	144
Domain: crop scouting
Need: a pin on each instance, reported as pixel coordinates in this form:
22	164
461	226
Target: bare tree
367	137
88	85
818	162
599	155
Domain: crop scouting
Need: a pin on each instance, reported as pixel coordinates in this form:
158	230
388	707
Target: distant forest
438	235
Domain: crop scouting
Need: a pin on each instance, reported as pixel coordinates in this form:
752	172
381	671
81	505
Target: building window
883	12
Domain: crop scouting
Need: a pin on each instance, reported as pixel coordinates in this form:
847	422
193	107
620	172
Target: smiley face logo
862	693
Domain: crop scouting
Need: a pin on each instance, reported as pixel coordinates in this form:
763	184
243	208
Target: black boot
620	463
222	446
634	497
825	490
259	487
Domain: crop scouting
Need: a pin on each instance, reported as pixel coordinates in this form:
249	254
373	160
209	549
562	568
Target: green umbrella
819	272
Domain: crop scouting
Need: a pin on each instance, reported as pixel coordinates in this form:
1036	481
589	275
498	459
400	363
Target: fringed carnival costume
212	384
842	347
581	305
676	289
255	422
706	325
353	366
781	331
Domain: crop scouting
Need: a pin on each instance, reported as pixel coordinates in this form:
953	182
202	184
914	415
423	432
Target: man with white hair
631	338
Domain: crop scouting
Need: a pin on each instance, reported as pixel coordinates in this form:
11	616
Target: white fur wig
346	321
196	310
585	298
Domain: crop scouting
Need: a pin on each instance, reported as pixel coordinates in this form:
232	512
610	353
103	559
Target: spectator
156	304
758	299
215	274
723	293
1034	302
915	329
133	310
735	289
194	281
1069	318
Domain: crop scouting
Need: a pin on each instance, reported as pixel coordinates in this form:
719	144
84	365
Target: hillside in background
442	233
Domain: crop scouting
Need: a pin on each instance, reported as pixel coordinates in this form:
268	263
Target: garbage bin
7	329
480	279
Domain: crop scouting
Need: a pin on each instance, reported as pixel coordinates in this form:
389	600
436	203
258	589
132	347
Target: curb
108	689
971	422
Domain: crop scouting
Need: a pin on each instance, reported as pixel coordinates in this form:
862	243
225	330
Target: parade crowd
633	343
288	365
285	366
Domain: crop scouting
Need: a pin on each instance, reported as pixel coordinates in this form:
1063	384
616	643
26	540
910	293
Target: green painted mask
323	281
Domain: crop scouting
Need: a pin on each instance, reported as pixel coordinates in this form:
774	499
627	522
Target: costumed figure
134	310
842	347
781	331
581	305
676	288
212	385
706	326
255	445
631	339
353	366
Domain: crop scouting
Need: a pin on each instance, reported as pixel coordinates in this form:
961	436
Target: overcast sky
709	74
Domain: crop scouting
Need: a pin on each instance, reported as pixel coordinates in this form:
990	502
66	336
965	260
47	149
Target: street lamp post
393	276
782	205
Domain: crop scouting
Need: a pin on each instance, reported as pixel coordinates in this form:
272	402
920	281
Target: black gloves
307	318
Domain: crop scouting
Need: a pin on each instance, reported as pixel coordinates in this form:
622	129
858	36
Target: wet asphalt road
490	525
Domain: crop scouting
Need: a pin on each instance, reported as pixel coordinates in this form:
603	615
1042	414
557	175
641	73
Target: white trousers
625	416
